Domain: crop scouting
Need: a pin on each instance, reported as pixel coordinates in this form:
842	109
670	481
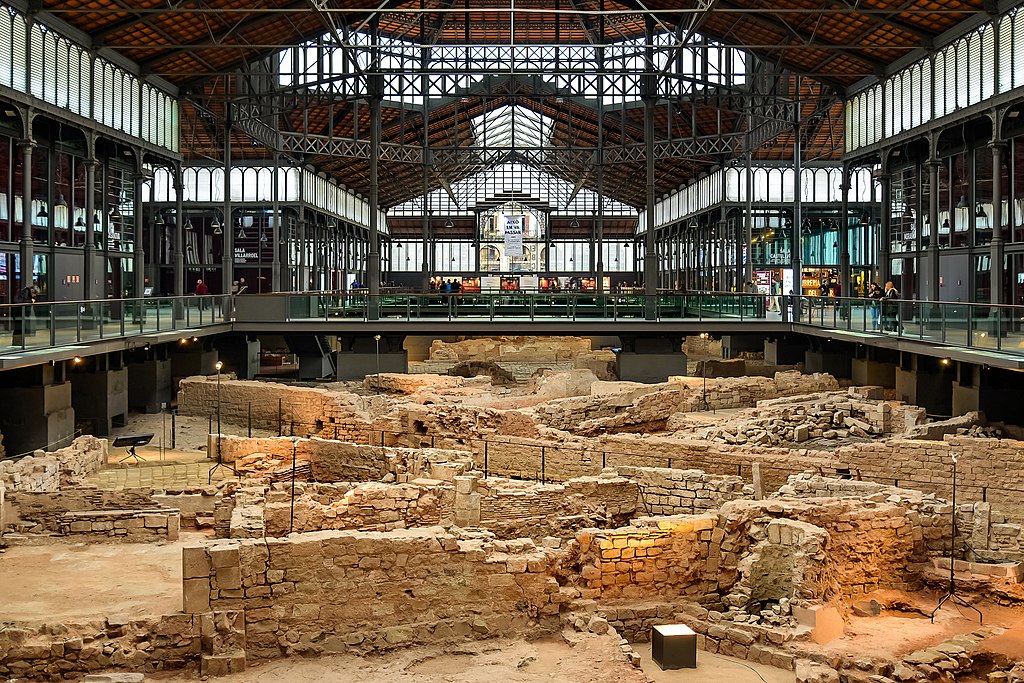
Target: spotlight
77	360
218	365
195	339
946	361
183	341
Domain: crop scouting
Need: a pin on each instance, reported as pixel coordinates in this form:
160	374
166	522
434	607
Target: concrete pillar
364	355
869	372
785	350
35	409
650	359
735	344
926	382
833	359
26	247
241	355
192	358
99	392
149	384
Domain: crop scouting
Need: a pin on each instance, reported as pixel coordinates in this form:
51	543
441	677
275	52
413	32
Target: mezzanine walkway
976	333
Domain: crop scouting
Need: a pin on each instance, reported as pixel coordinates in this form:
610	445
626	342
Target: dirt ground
190	432
900	632
594	659
712	668
80	582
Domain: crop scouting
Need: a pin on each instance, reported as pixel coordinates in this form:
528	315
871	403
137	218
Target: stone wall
523	356
334	591
56	651
44	512
366	507
327	460
629	407
672	558
44	471
684	492
130	526
300	411
785	421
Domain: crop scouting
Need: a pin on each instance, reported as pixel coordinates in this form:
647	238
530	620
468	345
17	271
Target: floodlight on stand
963	203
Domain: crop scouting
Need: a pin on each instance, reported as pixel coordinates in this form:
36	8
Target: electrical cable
736	661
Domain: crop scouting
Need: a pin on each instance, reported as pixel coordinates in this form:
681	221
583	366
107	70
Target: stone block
196	595
222	665
194	562
825	622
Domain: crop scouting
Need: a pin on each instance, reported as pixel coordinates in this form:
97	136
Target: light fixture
42	213
188	224
945	224
76	360
263	237
217	230
980	213
218	365
626	245
946	361
241	233
183	341
159	220
448	223
115	214
195	339
571	259
963	203
96	218
865	219
79	222
907	211
60	199
575	223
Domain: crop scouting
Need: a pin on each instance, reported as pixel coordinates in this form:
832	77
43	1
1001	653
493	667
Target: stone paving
159	475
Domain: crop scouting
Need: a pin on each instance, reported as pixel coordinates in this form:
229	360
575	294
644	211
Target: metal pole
291	516
174	420
376	339
250	419
280	424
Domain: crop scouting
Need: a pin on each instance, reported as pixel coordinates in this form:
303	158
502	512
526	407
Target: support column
90	273
749	210
650	254
301	278
26	248
139	251
997	245
796	249
843	232
425	228
884	267
599	217
933	229
179	231
228	253
277	279
373	255
723	270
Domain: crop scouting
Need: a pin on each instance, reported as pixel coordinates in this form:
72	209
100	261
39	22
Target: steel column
997	295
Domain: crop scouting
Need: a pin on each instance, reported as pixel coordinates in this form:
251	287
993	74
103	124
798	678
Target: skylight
512	126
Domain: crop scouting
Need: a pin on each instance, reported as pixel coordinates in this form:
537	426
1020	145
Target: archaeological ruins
513	490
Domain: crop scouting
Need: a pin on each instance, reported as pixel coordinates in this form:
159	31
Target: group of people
884	311
239	286
450	286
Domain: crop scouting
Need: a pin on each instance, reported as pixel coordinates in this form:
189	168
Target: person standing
874	295
890	308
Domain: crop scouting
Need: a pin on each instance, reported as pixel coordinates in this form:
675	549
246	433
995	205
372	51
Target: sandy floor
895	633
53	583
712	668
595	659
190	432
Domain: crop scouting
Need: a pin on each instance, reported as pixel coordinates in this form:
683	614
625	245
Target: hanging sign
514	236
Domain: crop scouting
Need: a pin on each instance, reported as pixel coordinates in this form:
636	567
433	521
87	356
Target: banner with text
514	236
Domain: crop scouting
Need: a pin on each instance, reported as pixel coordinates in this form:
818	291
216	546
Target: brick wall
333	591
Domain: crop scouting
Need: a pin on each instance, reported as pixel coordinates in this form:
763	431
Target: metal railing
986	327
519	305
60	323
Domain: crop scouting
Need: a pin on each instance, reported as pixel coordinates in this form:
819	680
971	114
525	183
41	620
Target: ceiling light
963	203
79	222
60	200
42	213
980	213
115	214
159	220
76	360
575	222
188	224
448	223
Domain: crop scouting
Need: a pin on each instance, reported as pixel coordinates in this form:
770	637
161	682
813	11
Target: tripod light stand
951	595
